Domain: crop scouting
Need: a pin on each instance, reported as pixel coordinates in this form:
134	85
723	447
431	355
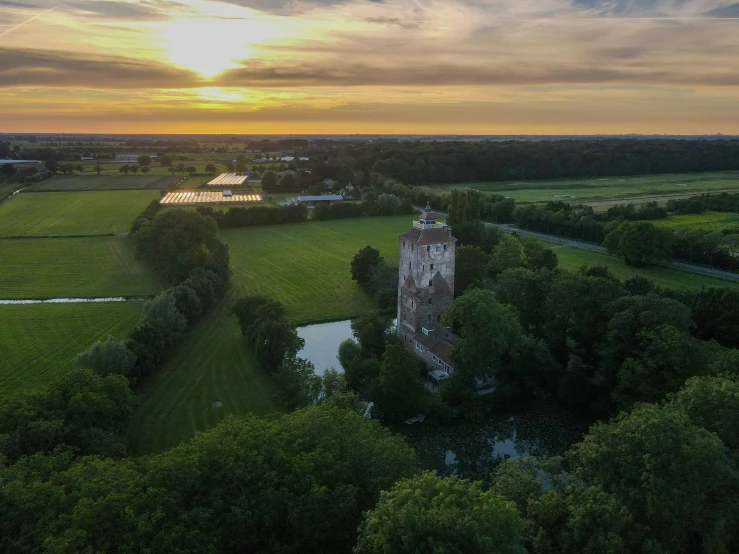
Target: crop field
571	259
72	213
708	221
649	187
62	183
72	267
39	342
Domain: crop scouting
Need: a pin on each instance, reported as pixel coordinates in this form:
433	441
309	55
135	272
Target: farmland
62	183
39	342
72	267
72	213
295	265
289	263
642	188
708	221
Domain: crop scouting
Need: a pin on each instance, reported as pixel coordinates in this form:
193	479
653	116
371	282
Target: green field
39	342
306	267
595	189
708	221
571	259
72	267
94	182
72	213
214	364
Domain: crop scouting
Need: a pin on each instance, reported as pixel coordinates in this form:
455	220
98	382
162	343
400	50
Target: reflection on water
69	301
322	343
468	449
474	449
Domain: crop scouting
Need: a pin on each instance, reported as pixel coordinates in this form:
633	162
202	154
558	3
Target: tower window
445	247
428	249
429	301
410	265
431	283
432	267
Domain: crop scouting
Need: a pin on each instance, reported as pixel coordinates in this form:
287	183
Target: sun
208	46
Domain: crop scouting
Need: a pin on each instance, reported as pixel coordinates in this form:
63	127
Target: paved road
690	268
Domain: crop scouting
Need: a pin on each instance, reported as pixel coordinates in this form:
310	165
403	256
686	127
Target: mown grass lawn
72	213
39	342
72	267
571	259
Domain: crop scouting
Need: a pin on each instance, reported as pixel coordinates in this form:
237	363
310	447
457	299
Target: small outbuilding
312	200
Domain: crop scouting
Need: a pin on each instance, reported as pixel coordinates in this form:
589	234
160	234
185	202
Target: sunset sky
370	66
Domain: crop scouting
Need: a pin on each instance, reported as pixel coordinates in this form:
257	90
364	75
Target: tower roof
427	236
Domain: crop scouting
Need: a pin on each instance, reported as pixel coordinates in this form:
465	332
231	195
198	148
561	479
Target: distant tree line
420	163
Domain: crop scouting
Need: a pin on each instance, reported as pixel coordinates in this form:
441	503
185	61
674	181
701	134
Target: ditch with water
539	427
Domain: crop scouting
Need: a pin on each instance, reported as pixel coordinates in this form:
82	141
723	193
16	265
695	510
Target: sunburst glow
209	47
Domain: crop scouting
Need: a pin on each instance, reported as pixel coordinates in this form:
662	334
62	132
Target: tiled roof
426	236
439	343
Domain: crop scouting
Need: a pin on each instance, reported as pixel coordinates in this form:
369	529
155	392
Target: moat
469	449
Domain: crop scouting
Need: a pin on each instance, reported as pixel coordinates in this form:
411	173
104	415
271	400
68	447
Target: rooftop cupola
427	218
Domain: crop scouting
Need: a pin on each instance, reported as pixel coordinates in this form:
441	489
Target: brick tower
426	289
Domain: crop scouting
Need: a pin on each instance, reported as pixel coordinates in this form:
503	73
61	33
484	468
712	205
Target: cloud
36	68
288	6
152	10
433	74
725	11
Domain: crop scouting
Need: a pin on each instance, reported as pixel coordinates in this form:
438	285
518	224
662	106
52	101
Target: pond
322	343
473	450
539	427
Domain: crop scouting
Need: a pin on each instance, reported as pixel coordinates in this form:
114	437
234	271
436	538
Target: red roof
426	236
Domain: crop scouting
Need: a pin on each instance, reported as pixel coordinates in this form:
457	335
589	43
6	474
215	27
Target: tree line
184	249
421	163
662	477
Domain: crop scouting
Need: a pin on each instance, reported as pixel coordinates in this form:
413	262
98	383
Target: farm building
330	198
186	198
228	179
